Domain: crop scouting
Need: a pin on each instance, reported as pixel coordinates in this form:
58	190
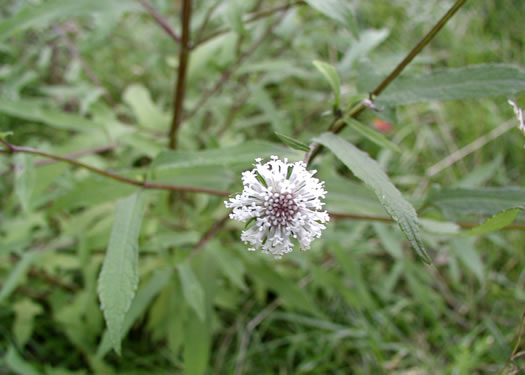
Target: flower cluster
283	201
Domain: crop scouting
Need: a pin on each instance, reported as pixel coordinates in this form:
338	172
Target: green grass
360	301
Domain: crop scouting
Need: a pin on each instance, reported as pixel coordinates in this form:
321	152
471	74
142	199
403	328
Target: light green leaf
32	110
17	274
25	312
4	135
148	114
140	303
197	341
24	179
293	143
17	364
475	81
371	135
244	153
494	223
368	170
456	203
464	250
338	10
46	12
119	276
192	289
329	72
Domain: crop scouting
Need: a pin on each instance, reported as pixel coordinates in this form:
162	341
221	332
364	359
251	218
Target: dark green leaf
293	143
476	81
371	135
368	170
244	153
483	201
119	276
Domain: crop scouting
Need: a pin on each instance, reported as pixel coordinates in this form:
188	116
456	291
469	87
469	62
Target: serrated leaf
475	81
32	110
24	179
139	305
338	10
371	134
46	12
494	223
455	203
329	72
368	170
119	276
244	153
293	143
192	289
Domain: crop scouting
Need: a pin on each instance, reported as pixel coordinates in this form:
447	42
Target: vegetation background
96	80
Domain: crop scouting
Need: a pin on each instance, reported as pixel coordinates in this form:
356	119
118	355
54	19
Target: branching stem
339	124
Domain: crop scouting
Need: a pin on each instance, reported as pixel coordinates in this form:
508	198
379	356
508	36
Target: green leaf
17	274
371	135
192	289
24	179
456	203
46	12
338	10
244	153
368	170
140	303
197	341
475	81
119	276
17	364
494	223
293	143
4	135
329	72
464	250
148	114
25	312
32	110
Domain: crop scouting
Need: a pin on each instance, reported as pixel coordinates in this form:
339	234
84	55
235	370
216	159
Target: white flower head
284	202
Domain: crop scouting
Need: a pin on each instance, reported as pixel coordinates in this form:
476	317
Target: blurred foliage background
95	80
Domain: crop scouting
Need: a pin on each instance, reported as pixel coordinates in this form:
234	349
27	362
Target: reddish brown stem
160	21
180	85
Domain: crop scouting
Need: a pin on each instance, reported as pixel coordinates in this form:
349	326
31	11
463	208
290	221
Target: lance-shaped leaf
329	72
368	170
493	223
476	81
119	276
